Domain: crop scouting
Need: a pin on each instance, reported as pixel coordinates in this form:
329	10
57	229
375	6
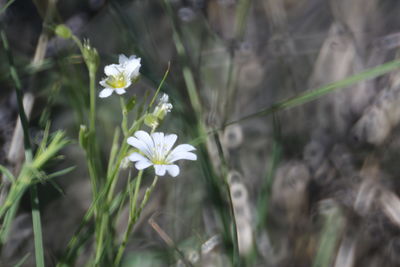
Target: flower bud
163	107
63	31
151	120
90	56
83	136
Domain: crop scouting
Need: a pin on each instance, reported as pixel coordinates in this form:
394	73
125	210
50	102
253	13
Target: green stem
131	222
112	179
124	124
37	230
159	86
146	197
37	226
92	120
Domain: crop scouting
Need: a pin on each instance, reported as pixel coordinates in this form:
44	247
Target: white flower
163	107
131	65
160	111
156	150
120	76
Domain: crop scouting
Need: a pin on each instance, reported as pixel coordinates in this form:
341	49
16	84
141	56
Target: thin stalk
92	118
242	12
4	8
146	197
131	223
159	86
112	179
200	127
37	228
311	95
7	223
224	170
308	96
73	244
100	239
124	124
113	150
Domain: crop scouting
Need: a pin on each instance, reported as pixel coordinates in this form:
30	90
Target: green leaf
22	261
7	174
4	8
60	173
311	95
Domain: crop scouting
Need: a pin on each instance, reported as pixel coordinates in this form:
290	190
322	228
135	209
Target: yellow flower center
159	155
159	162
116	81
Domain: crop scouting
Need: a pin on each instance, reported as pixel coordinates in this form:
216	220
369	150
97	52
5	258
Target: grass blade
324	90
22	261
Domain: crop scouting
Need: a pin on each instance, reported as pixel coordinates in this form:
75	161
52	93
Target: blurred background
313	185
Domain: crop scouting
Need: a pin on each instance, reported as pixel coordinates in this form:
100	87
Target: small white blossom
120	76
155	149
163	107
160	111
131	65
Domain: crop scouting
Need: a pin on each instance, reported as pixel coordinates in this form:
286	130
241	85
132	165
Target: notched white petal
106	92
183	148
143	164
169	141
120	91
133	141
139	144
160	169
136	157
112	70
181	155
158	138
173	170
122	59
145	137
132	68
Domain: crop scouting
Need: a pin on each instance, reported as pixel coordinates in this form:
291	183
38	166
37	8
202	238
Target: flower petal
136	157
122	59
143	164
112	70
106	92
158	138
173	170
169	141
160	169
139	144
103	82
120	91
146	139
132	67
182	148
159	150
181	155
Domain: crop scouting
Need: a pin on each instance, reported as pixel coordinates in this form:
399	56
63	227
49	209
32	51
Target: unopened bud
90	56
151	120
63	31
83	136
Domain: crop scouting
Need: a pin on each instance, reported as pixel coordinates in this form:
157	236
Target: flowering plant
155	149
120	76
